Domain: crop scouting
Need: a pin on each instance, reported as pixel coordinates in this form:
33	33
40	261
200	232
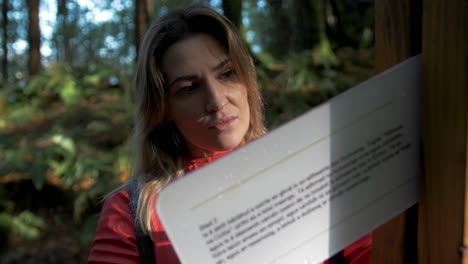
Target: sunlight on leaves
70	93
26	225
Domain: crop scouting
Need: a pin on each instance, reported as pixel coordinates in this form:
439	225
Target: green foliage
17	113
305	81
88	229
324	55
38	172
25	225
299	72
269	27
56	82
66	130
65	148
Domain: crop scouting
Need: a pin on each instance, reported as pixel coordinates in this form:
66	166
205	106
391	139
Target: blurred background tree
65	99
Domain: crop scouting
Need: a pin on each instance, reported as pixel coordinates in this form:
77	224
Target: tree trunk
351	20
144	9
64	50
233	11
34	38
149	10
281	35
339	26
303	26
323	53
4	42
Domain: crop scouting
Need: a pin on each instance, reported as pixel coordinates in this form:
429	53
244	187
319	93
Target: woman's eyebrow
182	78
221	64
191	77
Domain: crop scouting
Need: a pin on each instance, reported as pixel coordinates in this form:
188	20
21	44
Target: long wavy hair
159	146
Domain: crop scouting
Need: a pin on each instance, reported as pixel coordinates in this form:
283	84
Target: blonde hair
159	145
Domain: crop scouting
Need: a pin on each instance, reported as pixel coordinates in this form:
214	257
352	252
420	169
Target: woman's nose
216	97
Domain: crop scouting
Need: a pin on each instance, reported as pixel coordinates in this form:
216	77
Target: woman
196	100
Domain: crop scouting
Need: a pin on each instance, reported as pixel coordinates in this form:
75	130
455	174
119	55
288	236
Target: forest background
66	99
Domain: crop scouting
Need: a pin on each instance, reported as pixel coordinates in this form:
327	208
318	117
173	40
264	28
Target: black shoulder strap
145	244
338	258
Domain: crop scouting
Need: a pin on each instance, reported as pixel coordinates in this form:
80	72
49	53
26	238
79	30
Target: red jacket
115	240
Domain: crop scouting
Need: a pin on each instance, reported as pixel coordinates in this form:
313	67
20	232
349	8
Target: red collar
194	163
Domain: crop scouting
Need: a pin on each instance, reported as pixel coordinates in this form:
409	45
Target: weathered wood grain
397	37
442	218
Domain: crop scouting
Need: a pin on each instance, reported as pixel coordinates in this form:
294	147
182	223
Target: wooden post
442	228
397	37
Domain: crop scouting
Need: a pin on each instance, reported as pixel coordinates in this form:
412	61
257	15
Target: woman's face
206	99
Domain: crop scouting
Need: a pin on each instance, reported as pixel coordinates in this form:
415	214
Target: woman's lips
223	123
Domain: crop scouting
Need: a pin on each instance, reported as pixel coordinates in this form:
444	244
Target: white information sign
309	188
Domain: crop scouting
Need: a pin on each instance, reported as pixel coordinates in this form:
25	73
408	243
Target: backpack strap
338	258
145	244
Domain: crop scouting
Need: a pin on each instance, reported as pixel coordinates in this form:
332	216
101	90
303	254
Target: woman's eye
186	89
228	74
